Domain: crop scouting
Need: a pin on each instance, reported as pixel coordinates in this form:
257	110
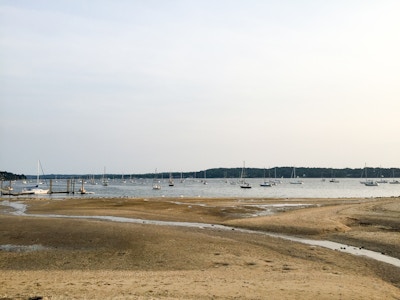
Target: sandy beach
47	256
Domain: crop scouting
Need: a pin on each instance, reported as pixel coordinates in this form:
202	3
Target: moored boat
295	179
35	189
243	183
371	183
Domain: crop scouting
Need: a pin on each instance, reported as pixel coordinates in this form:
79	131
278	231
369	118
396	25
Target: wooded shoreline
278	172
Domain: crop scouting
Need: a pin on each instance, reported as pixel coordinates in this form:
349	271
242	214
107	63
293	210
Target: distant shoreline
278	172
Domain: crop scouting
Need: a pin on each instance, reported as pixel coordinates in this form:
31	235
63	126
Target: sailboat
171	180
205	177
333	179
104	182
156	182
266	183
394	181
276	180
92	181
371	183
36	190
382	178
295	179
243	183
368	182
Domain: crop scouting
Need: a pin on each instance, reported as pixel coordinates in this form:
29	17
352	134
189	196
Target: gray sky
190	85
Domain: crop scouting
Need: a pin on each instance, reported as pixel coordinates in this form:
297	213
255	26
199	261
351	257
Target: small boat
38	191
333	179
295	179
276	181
35	189
205	177
368	182
394	181
382	178
104	181
266	183
364	171
156	186
156	182
382	181
171	180
123	180
243	183
28	191
371	183
92	181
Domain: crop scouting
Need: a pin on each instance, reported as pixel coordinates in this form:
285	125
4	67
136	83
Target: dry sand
94	259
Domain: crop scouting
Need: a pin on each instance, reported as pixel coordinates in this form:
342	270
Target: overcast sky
189	85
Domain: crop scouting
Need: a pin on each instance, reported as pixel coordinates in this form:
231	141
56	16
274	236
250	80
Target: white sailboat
368	182
394	181
171	180
295	179
382	178
333	179
36	190
104	181
204	181
243	183
266	183
156	182
276	181
371	183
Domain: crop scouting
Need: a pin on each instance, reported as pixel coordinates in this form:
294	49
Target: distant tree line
278	172
287	172
5	176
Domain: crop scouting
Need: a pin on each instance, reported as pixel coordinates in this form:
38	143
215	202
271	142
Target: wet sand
91	259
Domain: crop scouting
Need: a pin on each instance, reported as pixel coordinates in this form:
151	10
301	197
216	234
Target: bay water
311	188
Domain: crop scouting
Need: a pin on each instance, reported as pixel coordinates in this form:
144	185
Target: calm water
312	188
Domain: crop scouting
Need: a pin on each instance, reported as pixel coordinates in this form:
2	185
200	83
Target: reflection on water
22	248
343	248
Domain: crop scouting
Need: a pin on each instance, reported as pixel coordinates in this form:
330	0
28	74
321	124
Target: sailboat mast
38	168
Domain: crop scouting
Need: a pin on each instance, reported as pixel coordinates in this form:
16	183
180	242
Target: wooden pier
70	189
